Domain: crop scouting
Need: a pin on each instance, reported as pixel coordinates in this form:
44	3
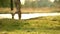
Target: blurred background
32	6
39	25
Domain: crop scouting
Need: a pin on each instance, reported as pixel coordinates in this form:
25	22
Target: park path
28	16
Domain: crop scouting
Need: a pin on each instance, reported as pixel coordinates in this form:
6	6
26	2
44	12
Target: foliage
57	3
4	3
41	3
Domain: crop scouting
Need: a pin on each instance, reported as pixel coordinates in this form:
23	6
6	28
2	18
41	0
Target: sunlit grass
40	25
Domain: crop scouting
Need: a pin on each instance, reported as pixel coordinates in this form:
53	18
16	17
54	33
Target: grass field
40	25
31	10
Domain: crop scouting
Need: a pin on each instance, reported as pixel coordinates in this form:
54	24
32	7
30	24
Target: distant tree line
4	3
57	3
33	4
41	3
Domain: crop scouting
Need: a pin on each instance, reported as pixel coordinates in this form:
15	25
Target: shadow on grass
11	25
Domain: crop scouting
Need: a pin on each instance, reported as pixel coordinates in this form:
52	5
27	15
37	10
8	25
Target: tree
57	3
38	3
5	3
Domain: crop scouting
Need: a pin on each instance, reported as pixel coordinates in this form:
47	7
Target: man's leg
18	8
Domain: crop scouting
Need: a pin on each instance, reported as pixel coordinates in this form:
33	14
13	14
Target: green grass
40	25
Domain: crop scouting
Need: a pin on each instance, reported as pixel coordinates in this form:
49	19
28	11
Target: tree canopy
37	3
4	3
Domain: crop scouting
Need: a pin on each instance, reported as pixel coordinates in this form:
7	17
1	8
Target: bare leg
13	15
18	8
12	9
